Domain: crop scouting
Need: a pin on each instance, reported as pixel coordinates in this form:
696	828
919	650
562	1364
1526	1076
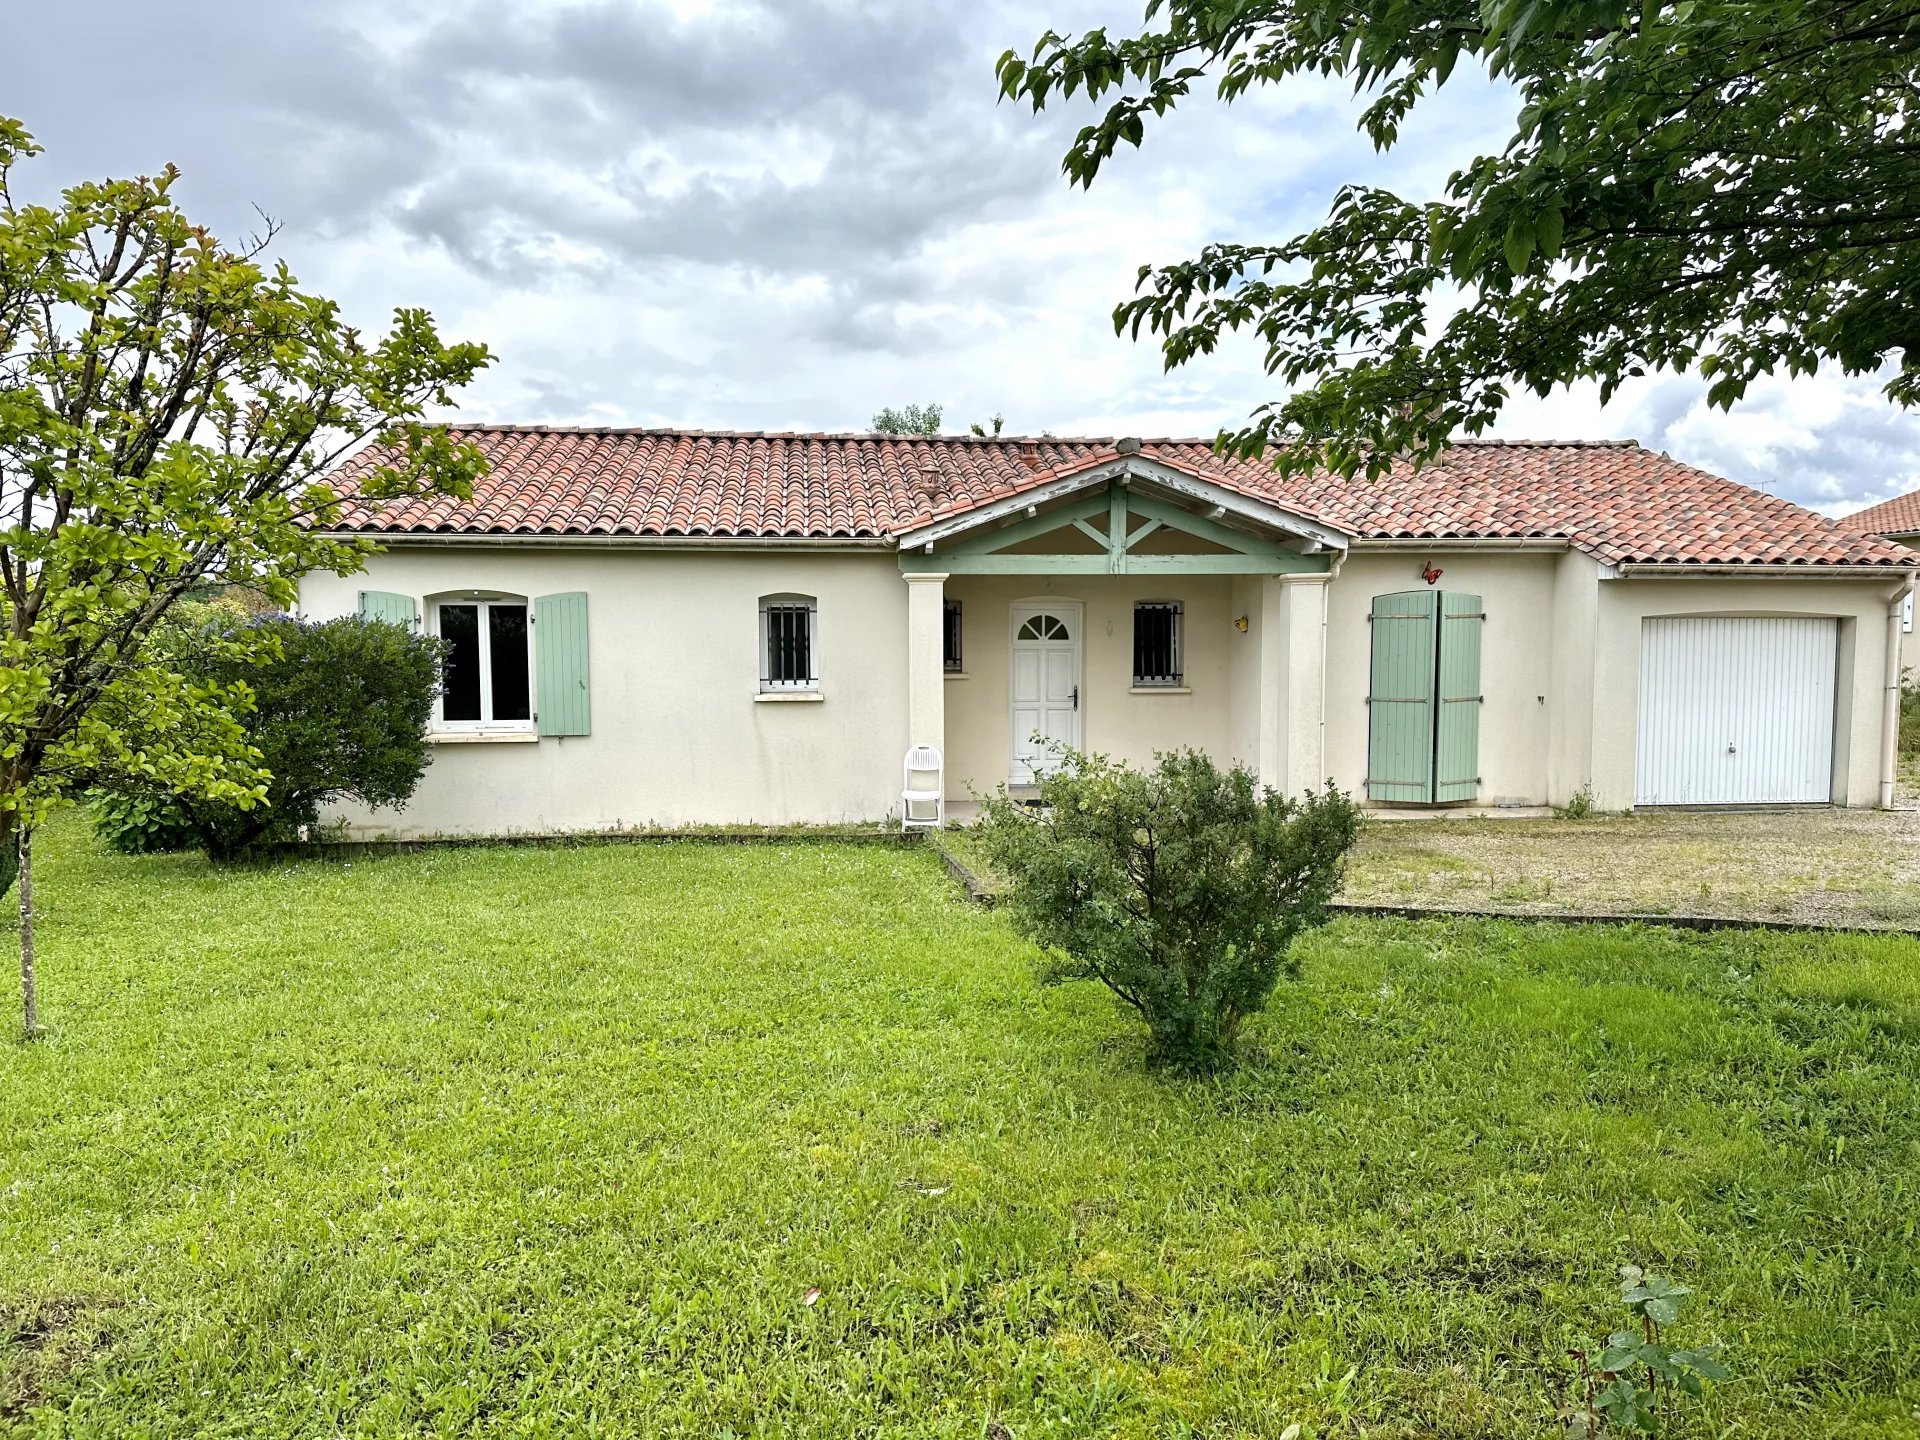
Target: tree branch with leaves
169	406
1711	185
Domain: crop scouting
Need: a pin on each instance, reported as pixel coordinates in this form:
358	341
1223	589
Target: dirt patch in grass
45	1342
1837	867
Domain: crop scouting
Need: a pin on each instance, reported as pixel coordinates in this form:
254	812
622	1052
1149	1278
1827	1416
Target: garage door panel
1736	711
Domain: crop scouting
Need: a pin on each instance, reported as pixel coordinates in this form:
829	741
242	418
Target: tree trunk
30	1000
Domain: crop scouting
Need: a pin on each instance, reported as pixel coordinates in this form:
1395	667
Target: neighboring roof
1612	499
1898	516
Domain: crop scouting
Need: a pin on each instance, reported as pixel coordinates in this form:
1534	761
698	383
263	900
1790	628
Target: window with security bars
788	631
950	639
1156	643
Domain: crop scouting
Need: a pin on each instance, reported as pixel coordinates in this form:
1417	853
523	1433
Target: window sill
788	697
956	675
1160	690
482	737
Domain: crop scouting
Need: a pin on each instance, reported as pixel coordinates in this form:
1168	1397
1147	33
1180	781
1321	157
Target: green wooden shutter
1400	696
384	605
560	660
1456	746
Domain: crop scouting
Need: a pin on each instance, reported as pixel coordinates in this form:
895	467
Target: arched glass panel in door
1043	627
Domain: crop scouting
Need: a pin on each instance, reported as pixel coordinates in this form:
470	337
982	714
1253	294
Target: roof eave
1792	569
392	539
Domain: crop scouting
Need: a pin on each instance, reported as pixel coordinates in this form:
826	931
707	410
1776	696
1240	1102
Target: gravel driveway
1841	867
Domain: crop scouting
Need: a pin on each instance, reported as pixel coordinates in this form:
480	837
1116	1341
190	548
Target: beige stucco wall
1516	664
1624	606
1560	665
1127	726
678	737
1244	669
1571	698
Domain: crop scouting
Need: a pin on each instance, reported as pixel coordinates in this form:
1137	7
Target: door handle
1076	697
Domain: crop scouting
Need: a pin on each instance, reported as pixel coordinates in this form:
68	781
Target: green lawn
559	1142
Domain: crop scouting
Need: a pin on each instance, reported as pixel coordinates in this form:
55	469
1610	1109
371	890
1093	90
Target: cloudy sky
782	214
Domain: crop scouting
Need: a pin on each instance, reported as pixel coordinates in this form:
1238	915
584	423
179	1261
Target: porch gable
984	542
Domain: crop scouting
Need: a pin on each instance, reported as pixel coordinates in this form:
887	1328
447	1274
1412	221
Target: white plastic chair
923	806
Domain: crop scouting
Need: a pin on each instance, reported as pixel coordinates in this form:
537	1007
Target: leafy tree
1706	184
167	407
339	712
998	422
1181	889
908	420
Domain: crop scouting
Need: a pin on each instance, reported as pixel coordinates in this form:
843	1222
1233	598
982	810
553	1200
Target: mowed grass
561	1141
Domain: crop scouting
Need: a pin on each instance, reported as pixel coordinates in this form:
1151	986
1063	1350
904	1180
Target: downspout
1326	614
1890	704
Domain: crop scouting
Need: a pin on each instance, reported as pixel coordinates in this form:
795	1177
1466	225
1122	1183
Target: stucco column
1293	674
1271	750
1303	601
926	680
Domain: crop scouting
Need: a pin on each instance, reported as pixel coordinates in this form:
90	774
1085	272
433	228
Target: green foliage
908	420
1181	889
339	712
1578	807
141	822
168	406
1621	1388
1712	185
998	423
575	1129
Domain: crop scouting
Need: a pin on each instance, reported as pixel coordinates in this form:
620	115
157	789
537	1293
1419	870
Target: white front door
1045	687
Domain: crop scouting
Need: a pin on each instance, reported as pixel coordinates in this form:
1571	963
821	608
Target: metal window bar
788	663
950	642
1156	643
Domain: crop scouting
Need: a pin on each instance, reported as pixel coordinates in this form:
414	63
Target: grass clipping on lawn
691	1140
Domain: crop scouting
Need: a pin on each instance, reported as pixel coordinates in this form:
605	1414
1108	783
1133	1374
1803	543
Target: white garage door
1736	712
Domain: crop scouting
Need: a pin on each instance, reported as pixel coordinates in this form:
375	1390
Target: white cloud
785	215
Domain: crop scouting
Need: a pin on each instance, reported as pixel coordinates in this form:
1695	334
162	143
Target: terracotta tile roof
1612	499
1898	516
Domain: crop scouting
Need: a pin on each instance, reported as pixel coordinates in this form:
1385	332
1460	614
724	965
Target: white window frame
486	600
810	685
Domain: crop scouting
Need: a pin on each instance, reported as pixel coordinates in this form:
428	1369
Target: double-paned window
789	634
487	682
1156	643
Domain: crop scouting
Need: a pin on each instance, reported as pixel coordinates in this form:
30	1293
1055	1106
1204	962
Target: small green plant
1180	888
1909	716
1621	1388
1578	807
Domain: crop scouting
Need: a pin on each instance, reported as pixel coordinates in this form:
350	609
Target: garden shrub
141	823
1910	716
340	711
1180	888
